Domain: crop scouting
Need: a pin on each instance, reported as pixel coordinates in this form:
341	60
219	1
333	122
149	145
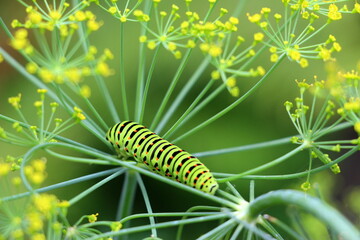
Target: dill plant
60	60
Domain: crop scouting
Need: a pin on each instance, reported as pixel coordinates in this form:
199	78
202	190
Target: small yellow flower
215	75
151	45
336	47
231	82
93	217
357	127
15	101
254	18
85	91
55	15
277	16
258	37
115	226
38	236
44	203
324	53
35	221
80	16
274	57
46	75
214	50
4	168
171	46
142	38
294	54
306	186
35	17
235	91
303	62
16	181
103	69
93	25
334	14
112	10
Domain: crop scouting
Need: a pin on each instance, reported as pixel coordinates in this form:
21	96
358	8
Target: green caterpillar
131	139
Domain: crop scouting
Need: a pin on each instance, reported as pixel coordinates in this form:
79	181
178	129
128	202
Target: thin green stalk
284	227
95	186
184	215
266	144
184	91
64	184
195	110
265	166
126	200
102	88
189	110
147	203
77	159
122	72
223	228
160	225
174	81
236	233
292	175
62	139
233	105
314	206
270	229
190	211
141	68
148	81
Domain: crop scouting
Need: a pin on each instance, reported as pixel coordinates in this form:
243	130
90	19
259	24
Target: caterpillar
131	139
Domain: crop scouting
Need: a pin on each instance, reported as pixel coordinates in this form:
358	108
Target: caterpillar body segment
131	139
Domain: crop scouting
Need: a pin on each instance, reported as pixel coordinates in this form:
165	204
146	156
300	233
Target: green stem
122	72
292	175
314	206
160	225
184	91
171	87
64	184
233	105
147	203
265	166
147	85
141	69
127	197
271	143
95	186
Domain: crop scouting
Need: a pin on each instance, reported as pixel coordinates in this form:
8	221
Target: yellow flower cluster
60	62
288	42
58	17
36	171
33	135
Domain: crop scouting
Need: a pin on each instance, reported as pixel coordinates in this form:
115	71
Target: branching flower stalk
60	60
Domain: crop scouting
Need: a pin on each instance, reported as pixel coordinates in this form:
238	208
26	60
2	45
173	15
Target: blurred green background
261	117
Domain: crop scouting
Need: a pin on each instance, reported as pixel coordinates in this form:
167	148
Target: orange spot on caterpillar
188	172
180	164
129	138
171	157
